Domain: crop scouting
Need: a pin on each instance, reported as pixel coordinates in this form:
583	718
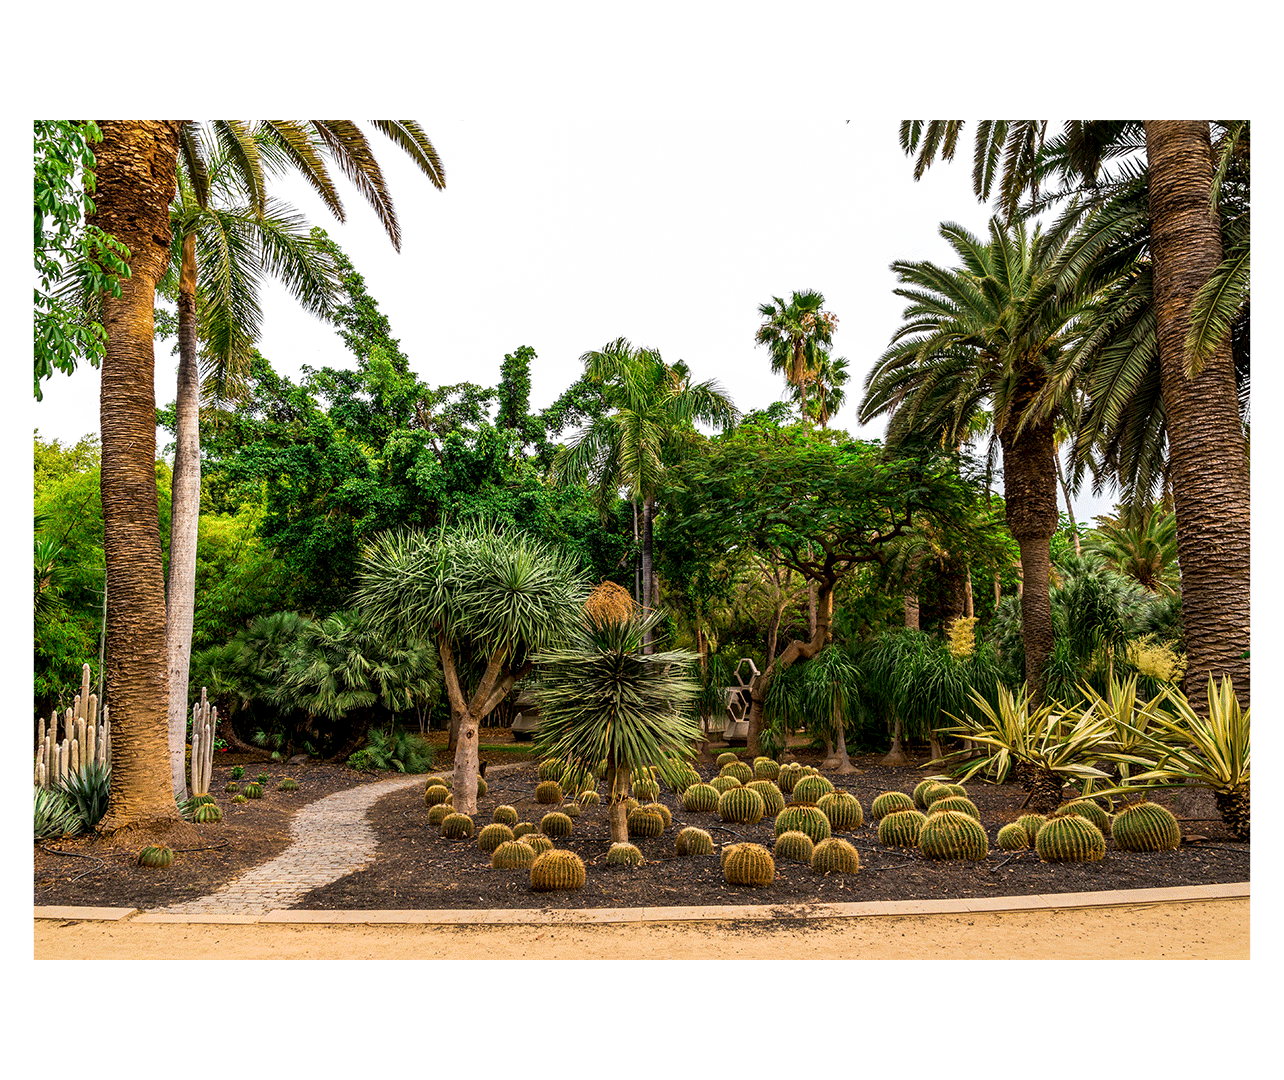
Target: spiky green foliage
624	854
901	828
556	824
504	814
287	785
1085	808
645	823
748	864
403	751
808	790
262	778
693	841
843	810
1013	837
835	856
794	845
87	789
701	798
439	813
889	802
537	842
549	793
952	835
238	772
156	857
1070	839
557	869
551	769
1031	823
207	814
741	805
55	814
738	769
512	855
1146	826
238	798
956	803
492	836
765	768
254	791
806	819
457	826
773	799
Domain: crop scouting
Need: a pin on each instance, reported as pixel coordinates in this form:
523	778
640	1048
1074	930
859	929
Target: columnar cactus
741	805
1031	823
437	814
644	822
1085	808
806	819
835	856
624	854
726	757
808	790
557	869
504	814
1070	838
794	845
1146	826
843	810
156	857
1013	837
662	810
901	828
959	803
436	794
953	835
748	864
889	802
556	824
693	841
765	768
512	855
738	769
493	835
548	793
773	800
724	783
457	826
700	798
537	842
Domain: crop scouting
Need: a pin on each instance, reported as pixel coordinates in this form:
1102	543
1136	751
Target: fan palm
798	335
829	377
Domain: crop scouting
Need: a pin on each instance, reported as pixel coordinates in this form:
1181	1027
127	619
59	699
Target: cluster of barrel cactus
773	799
537	842
809	789
206	814
1085	808
1070	838
951	834
645	822
724	783
804	819
738	769
888	802
254	791
748	864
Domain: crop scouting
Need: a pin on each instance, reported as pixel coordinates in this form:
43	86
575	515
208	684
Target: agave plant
1129	722
55	814
87	789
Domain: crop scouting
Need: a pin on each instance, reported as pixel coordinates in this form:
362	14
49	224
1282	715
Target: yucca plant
1129	720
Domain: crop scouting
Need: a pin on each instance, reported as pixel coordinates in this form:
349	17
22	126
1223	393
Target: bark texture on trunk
618	783
136	180
185	509
1209	463
648	562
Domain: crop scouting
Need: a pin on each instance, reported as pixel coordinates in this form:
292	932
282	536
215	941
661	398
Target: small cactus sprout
789	775
843	810
548	793
700	798
1146	826
959	803
765	768
724	783
556	824
693	841
624	854
953	835
646	788
1085	808
156	858
901	828
773	800
1013	837
524	827
262	778
457	826
557	869
238	798
748	864
232	787
207	814
537	842
738	769
237	773
512	855
662	810
806	819
287	784
439	813
1070	838
644	822
436	794
492	836
888	802
794	845
741	805
254	791
809	789
922	789
504	814
589	798
726	758
1031	823
551	769
835	856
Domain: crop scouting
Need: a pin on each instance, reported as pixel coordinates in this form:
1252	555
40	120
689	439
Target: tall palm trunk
185	509
1209	464
136	181
648	562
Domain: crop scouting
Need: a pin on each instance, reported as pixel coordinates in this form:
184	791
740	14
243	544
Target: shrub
693	841
624	854
901	828
1146	826
512	855
556	824
238	772
889	802
748	864
548	793
843	810
1070	839
773	801
504	814
401	751
55	814
741	805
805	819
700	798
557	869
835	856
457	826
492	836
1013	837
953	835
238	798
794	845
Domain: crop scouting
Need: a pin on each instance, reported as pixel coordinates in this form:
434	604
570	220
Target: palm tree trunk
135	182
648	560
1209	464
185	509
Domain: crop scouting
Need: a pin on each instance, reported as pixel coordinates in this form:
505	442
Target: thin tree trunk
648	561
618	782
845	765
896	755
185	509
637	571
969	607
135	183
1208	459
796	650
1065	491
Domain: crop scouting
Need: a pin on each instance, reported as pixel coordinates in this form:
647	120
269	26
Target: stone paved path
331	838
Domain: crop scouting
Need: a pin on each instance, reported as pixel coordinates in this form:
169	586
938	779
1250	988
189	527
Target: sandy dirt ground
1205	930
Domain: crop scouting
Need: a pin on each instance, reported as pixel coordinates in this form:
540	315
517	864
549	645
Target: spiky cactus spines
238	798
551	769
232	787
773	800
436	795
482	788
748	864
1013	837
809	789
504	814
686	777
571	809
207	814
524	827
738	769
901	828
794	845
556	824
589	798
843	810
693	841
922	789
457	826
436	781
493	835
631	804
287	784
940	791
889	802
806	819
741	805
953	835
512	855
624	854
765	768
200	800
1085	808
790	773
646	788
1031	823
958	803
700	799
557	869
644	822
662	810
835	856
439	813
724	783
1146	826
156	857
537	842
548	793
254	791
957	789
726	757
1070	838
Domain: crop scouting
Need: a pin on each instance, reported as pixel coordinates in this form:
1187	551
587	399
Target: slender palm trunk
1209	463
185	509
1065	491
136	180
648	561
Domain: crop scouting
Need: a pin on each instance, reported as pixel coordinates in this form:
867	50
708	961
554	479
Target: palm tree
1141	543
976	336
652	408
136	181
829	377
798	335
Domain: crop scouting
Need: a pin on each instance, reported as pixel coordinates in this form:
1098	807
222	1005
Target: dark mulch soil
415	868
